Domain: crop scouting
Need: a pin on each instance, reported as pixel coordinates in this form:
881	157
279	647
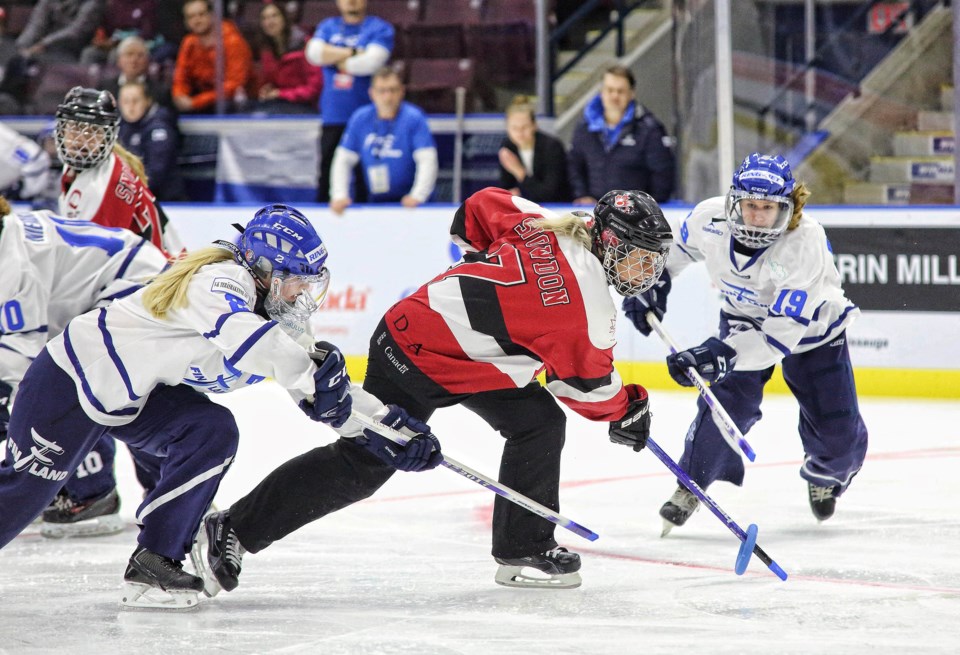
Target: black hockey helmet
88	124
632	239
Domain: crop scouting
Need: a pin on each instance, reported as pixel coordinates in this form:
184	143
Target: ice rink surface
409	571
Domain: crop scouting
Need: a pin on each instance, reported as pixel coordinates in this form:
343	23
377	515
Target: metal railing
621	7
800	76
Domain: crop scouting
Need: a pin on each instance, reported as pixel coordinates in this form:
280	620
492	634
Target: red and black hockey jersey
522	301
112	195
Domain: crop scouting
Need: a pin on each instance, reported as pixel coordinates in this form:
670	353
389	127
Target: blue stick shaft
709	502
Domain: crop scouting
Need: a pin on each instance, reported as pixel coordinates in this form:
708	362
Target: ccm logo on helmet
286	230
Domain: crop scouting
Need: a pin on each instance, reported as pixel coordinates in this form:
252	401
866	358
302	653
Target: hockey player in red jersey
101	181
531	295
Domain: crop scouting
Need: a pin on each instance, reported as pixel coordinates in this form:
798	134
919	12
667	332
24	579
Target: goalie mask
631	237
286	256
759	204
87	126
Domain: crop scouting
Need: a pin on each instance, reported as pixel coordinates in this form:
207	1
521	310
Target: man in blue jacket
619	145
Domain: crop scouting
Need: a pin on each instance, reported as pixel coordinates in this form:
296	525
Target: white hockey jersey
119	354
22	160
54	269
787	296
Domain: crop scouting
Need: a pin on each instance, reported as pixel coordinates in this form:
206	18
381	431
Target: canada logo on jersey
73	200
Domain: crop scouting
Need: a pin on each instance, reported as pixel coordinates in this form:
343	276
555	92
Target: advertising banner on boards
900	267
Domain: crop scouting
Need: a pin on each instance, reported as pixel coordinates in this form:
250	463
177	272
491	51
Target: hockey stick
491	484
728	429
747	540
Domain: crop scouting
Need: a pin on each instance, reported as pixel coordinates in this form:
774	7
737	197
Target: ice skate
224	554
90	518
554	569
822	501
155	582
198	557
678	509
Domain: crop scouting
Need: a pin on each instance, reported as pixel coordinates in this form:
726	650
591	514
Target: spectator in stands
149	131
58	30
8	45
392	143
9	96
133	60
194	78
350	48
121	19
619	145
532	164
289	84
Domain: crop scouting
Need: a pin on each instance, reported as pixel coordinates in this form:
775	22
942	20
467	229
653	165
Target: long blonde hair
799	197
131	160
5	207
570	225
168	290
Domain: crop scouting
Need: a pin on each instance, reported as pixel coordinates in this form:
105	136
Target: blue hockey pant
832	431
194	439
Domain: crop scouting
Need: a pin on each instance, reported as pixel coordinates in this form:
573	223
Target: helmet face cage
760	181
630	269
87	127
287	257
633	240
756	236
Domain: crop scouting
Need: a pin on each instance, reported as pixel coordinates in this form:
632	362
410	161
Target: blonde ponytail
131	160
570	225
799	197
168	290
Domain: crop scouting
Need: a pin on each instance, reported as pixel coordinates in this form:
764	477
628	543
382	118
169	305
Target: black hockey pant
329	478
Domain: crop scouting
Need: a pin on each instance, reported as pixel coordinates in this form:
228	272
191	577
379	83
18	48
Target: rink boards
900	265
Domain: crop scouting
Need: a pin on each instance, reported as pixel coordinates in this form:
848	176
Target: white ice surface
409	571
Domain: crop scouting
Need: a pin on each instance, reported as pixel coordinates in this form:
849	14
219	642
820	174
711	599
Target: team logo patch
226	285
779	270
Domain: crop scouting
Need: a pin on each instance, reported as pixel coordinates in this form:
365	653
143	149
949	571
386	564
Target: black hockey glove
331	395
5	392
420	453
653	300
633	428
712	359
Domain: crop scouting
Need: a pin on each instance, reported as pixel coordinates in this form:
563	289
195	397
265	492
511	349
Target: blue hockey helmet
287	257
759	204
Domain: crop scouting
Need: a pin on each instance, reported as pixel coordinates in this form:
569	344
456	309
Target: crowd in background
159	60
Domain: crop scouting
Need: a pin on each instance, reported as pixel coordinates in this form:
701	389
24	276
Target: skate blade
514	576
100	526
138	597
211	587
667	527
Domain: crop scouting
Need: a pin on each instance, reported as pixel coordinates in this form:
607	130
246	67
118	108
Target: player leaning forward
531	295
783	304
229	315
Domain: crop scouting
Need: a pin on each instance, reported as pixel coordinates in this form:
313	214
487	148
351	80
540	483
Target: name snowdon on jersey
522	301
